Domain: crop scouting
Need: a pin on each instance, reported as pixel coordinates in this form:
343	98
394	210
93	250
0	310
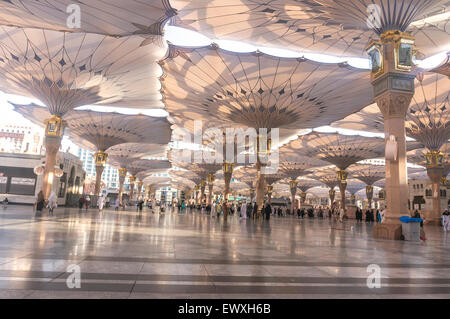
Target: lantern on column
269	189
444	181
293	184
227	167
211	178
58	172
434	159
132	179
303	197
39	170
122	172
54	126
100	158
369	190
375	52
332	193
342	176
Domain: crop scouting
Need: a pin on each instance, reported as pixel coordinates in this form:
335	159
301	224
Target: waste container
411	228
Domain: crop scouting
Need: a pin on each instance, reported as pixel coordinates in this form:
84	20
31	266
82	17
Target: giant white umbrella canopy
115	18
67	70
136	166
257	90
341	150
334	27
260	91
100	131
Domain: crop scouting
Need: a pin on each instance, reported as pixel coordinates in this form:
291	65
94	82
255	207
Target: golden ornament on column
100	161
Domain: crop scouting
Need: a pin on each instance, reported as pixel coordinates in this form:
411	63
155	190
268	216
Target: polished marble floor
150	255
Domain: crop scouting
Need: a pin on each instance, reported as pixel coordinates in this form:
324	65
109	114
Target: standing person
117	204
255	210
213	210
39	204
341	214
268	211
52	203
140	205
100	202
244	210
87	202
5	203
446	220
81	203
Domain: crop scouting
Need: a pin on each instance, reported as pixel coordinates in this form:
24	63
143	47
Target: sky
184	37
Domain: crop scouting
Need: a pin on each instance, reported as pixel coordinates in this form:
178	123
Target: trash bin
411	228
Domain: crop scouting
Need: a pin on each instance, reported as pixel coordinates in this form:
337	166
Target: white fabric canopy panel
138	150
113	17
334	27
337	149
326	176
67	70
137	166
428	117
186	174
304	184
100	130
260	91
353	186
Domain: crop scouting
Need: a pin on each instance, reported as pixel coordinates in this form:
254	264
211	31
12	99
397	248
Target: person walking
52	203
268	211
100	202
341	214
5	203
446	220
39	204
244	210
80	203
213	210
87	202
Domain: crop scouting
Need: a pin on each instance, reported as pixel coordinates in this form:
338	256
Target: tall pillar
435	171
332	194
342	178
122	176
269	194
139	189
393	83
100	161
260	187
302	198
54	129
197	188
252	194
293	186
202	191
227	173
211	179
369	195
132	179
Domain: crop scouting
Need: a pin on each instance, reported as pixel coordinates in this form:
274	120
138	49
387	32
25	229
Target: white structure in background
421	196
20	137
110	175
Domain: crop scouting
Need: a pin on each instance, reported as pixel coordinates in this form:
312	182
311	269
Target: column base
387	231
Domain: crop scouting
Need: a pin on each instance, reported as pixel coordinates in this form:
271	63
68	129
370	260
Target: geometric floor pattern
191	255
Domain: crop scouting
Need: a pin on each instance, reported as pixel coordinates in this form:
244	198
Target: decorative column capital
393	103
